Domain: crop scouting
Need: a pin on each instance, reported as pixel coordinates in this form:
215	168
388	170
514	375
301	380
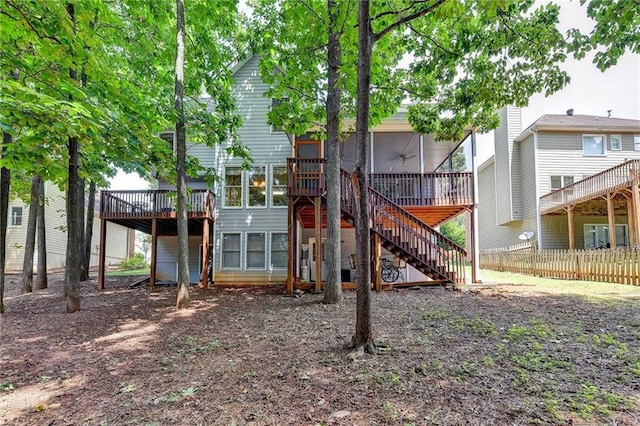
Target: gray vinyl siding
491	234
560	154
506	165
267	148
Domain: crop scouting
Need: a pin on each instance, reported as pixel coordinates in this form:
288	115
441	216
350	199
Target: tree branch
377	36
435	43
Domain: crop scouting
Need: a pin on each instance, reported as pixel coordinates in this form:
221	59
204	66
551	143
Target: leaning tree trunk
333	285
88	233
363	338
5	181
183	300
41	277
30	243
74	231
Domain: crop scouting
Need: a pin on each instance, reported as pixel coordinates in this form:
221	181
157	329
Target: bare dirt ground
261	357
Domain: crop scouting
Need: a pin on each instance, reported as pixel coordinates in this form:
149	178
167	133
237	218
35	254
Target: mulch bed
256	356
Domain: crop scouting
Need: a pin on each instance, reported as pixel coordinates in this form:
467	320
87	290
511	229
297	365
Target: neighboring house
266	221
120	238
567	179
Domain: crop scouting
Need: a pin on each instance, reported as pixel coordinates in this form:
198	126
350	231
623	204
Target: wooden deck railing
616	178
407	236
154	203
620	265
306	177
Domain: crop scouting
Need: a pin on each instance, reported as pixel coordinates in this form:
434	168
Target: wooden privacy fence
620	265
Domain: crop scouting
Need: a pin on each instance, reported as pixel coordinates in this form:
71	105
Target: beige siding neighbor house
121	238
568	179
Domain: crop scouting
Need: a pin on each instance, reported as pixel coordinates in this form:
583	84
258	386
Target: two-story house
266	225
565	181
121	239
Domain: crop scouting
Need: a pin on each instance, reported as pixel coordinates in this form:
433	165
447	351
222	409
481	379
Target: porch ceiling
595	207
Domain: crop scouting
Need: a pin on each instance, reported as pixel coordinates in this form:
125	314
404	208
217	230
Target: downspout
534	132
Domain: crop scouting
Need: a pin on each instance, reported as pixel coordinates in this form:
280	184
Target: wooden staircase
406	236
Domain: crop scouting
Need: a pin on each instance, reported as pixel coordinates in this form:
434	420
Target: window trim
562	181
619	138
636	142
270	263
222	251
11	223
247	186
271	187
604	145
224	188
246	251
625	226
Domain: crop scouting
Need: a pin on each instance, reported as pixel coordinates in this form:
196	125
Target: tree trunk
81	241
30	243
183	300
363	338
88	234
74	231
41	277
5	181
333	285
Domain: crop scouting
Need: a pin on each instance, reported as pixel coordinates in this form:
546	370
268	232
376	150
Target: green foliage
134	262
615	31
455	231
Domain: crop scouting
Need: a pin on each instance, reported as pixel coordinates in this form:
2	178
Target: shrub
134	262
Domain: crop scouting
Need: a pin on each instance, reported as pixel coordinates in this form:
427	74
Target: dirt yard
260	357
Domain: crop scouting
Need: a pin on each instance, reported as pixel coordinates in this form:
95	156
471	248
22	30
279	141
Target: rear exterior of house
121	242
554	179
262	226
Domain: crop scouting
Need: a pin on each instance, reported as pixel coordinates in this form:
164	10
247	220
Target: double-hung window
636	142
278	250
256	250
593	145
257	187
231	251
558	182
16	216
279	186
615	142
233	186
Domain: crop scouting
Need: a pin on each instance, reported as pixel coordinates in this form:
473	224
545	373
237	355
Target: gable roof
591	123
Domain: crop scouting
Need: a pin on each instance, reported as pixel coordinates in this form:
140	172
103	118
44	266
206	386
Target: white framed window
558	182
615	142
596	236
279	253
279	186
257	193
231	248
15	214
232	194
636	142
256	250
593	145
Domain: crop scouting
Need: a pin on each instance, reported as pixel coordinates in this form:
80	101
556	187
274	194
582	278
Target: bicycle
390	272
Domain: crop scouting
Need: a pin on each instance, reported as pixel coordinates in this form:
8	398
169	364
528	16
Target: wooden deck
137	208
595	188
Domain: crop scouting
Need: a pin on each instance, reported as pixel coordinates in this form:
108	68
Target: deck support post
102	253
317	201
635	203
612	221
291	247
377	268
204	283
572	237
154	252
